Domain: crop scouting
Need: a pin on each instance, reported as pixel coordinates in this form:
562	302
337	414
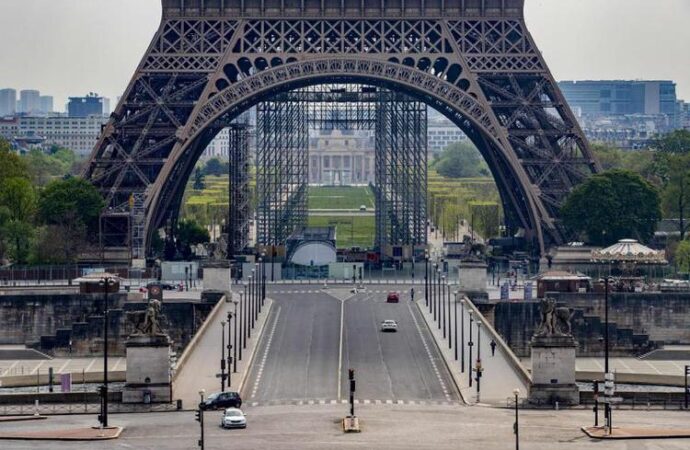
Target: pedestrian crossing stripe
388	402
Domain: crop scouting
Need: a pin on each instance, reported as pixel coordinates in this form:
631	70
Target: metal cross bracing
473	60
282	146
238	224
401	172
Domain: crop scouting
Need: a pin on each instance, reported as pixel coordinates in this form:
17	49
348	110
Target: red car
393	297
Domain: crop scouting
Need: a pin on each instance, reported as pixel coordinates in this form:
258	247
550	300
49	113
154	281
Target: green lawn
340	197
350	231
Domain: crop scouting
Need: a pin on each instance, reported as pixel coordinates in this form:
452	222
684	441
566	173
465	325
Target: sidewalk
635	433
197	370
75	434
501	371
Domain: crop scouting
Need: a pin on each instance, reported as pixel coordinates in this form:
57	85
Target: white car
389	325
233	418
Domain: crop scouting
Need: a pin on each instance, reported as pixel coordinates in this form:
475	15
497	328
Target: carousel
630	264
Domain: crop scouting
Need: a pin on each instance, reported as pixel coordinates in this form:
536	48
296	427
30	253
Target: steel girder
473	60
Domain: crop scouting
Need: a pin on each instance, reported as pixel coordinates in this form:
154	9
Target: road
313	337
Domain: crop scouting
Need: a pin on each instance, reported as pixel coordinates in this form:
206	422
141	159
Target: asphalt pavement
314	336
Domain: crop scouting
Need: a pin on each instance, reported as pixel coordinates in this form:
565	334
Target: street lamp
443	304
438	296
200	418
433	289
233	316
450	330
462	335
426	277
247	308
455	321
106	283
222	355
470	344
478	367
607	405
516	429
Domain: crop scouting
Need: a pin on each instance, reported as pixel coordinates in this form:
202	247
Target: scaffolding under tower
238	153
282	165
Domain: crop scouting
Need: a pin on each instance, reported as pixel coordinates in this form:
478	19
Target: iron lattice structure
401	171
238	223
473	60
282	169
400	126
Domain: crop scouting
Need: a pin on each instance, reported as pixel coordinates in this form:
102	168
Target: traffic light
351	376
197	415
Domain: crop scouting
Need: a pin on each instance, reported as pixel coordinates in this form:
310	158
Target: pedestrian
412	294
493	347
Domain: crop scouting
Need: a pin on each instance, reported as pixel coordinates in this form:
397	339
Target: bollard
556	405
36	407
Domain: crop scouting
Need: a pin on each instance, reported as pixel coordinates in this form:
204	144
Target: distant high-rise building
29	101
8	102
106	106
612	98
91	105
46	104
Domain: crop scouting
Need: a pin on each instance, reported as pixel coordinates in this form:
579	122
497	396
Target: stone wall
639	322
51	322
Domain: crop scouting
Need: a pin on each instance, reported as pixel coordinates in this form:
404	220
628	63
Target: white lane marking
430	355
88	368
265	355
37	367
60	370
10	368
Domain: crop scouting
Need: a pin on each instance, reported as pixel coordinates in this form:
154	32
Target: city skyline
103	62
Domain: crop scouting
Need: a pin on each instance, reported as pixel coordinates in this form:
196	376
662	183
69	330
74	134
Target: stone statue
555	321
148	322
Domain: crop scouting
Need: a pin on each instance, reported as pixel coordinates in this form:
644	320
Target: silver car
233	418
389	325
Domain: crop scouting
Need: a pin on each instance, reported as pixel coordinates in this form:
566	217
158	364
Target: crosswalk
325	291
311	402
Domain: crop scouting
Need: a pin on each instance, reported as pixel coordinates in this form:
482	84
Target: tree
676	194
675	142
199	183
11	165
215	167
461	160
71	202
17	206
683	256
190	233
611	206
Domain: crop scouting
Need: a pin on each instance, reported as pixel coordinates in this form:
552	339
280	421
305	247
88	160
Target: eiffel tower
210	60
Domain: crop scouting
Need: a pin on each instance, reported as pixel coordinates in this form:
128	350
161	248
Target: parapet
343	8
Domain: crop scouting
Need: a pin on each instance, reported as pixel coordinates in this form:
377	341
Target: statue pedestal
148	370
553	371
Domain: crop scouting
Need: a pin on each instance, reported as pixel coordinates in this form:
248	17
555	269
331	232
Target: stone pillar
553	371
472	276
148	370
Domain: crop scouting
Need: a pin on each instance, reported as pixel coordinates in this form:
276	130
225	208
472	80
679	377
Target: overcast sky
72	47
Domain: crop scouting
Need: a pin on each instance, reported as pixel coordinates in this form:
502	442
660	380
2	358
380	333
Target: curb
116	435
259	338
447	363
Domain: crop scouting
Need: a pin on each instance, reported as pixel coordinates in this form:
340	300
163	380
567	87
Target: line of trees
46	215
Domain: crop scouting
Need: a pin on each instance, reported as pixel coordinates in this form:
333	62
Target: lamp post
469	345
516	429
438	296
222	356
263	277
450	324
200	418
462	334
426	277
106	283
433	289
607	405
234	338
248	306
443	304
243	333
478	367
229	347
455	321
